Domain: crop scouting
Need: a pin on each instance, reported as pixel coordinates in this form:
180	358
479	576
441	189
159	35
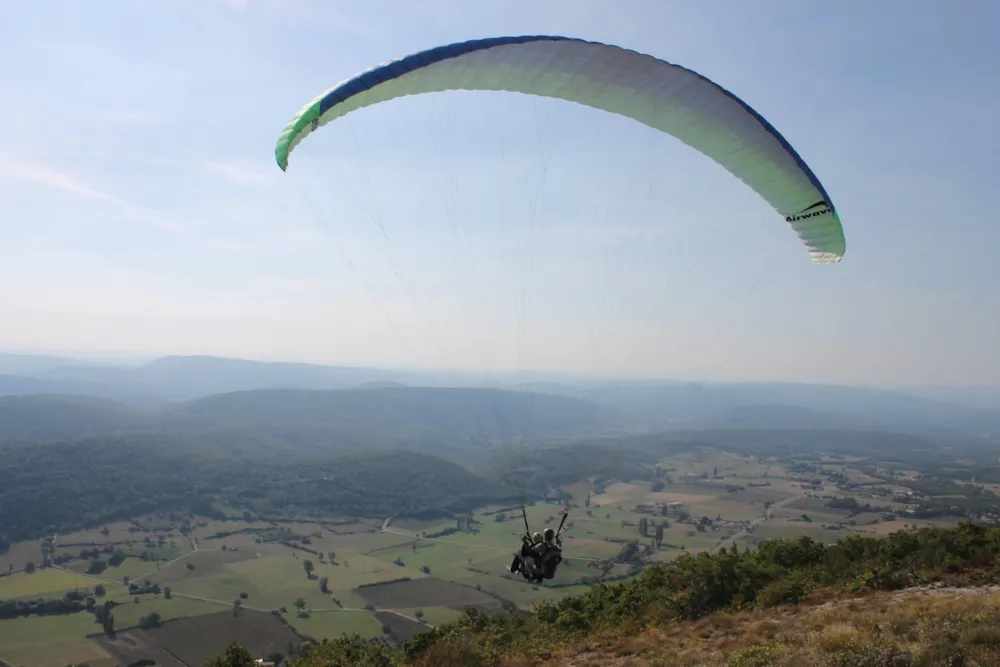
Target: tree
237	606
29	567
659	535
299	603
99	590
643	527
235	656
324	583
166	592
150	621
309	567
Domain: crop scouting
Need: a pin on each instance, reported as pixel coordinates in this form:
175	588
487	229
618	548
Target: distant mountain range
276	403
444	421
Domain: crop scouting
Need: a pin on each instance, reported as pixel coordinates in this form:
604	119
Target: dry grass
916	628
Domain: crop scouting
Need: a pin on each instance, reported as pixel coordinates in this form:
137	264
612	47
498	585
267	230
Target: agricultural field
51	641
195	641
331	623
40	583
19	554
129	612
132	646
327	577
428	591
399	627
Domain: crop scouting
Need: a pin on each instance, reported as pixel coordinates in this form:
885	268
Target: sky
142	213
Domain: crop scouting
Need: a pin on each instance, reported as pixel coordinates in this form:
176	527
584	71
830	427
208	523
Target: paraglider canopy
664	96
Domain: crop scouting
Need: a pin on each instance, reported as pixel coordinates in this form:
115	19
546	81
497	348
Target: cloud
61	181
243	172
70	184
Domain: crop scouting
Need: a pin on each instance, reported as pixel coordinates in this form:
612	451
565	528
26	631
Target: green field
134	568
204	562
51	641
42	582
434	615
332	624
19	554
128	614
782	529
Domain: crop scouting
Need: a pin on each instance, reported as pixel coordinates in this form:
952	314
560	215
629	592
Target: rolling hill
432	419
54	416
670	405
647	405
397	413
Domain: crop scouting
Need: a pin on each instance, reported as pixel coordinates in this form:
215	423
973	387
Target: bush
788	590
871	654
760	655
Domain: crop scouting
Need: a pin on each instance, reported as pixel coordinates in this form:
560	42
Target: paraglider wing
664	96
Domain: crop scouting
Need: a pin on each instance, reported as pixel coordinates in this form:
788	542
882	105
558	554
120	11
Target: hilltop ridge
904	600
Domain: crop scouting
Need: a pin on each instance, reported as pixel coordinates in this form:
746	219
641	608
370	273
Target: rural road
756	522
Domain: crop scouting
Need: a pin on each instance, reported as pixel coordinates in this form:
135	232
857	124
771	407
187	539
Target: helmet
549	534
536	538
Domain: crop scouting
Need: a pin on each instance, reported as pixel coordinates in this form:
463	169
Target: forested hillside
57	487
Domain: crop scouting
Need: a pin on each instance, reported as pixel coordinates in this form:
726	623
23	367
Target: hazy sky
141	211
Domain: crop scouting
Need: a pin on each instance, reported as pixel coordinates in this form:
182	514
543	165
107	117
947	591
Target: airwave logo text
810	214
